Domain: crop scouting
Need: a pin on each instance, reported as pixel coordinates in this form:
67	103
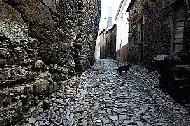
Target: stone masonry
42	42
154	29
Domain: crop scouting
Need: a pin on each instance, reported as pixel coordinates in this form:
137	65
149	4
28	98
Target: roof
102	31
113	26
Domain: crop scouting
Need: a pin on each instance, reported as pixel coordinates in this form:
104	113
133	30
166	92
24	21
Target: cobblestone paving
101	97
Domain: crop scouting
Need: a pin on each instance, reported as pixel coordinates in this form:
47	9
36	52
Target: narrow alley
102	97
61	63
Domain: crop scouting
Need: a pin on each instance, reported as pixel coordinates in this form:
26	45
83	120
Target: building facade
111	42
158	27
122	53
122	30
108	43
103	44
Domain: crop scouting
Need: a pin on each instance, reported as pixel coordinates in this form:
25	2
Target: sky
105	4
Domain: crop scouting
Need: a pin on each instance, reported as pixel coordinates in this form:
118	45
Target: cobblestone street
102	97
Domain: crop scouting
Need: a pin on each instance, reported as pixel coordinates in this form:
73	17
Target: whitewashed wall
122	28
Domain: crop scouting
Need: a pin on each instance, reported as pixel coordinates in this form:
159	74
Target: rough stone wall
133	46
81	25
155	39
187	38
42	43
134	14
187	29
